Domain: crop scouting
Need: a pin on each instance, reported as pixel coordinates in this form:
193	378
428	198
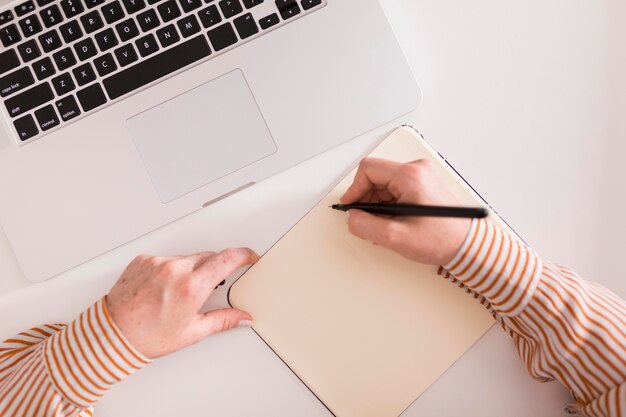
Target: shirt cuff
90	355
498	266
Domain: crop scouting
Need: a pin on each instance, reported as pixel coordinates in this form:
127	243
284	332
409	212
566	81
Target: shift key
29	99
15	81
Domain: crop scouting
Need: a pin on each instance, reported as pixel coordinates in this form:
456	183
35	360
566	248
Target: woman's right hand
429	240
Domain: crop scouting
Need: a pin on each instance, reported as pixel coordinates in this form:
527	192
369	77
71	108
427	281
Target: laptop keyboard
61	60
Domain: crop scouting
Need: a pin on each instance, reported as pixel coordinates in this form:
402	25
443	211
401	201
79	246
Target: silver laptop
119	116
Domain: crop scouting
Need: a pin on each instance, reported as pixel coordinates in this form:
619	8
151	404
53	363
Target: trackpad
201	136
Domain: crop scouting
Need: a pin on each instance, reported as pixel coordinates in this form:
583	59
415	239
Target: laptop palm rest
201	136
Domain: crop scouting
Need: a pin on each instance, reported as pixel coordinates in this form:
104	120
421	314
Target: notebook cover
364	328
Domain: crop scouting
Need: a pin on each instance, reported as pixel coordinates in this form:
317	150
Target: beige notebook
365	329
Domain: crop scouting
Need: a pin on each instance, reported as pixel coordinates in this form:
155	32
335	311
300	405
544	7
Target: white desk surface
524	99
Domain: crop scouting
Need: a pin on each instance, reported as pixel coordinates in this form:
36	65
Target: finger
373	173
218	321
214	269
199	258
381	196
382	231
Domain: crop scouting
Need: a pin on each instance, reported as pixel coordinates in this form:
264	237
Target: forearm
564	328
66	369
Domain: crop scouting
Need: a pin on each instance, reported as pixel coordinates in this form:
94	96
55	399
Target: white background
526	99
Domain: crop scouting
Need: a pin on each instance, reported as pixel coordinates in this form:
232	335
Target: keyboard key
189	5
91	21
112	12
72	8
16	81
9	35
25	127
157	66
30	25
42	3
50	41
71	31
126	55
168	10
147	45
29	50
148	20
85	49
290	12
43	68
63	84
9	60
251	3
47	118
309	4
29	99
127	30
133	6
105	64
93	3
269	21
285	4
24	8
67	108
51	16
210	16
64	59
91	97
106	39
230	8
246	26
222	36
6	17
188	26
84	74
167	36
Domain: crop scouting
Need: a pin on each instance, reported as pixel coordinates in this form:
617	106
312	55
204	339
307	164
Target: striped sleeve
61	371
564	328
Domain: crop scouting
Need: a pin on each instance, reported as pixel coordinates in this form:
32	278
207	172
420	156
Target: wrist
456	239
90	355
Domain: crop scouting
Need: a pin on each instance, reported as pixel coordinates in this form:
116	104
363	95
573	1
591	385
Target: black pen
415	210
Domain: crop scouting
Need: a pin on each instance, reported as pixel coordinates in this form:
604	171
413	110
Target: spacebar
156	67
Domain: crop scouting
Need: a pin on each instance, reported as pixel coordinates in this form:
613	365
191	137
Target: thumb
220	320
380	230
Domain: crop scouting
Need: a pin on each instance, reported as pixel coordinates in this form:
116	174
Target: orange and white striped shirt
564	328
61	371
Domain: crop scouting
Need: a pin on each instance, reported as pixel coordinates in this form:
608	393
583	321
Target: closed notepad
364	328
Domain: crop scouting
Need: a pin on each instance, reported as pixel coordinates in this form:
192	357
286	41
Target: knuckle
365	162
228	255
227	323
416	175
166	268
139	259
413	170
423	167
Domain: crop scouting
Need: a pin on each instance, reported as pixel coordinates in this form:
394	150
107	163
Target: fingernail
347	216
245	323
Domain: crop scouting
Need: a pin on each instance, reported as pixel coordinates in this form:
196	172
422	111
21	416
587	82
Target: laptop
120	116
